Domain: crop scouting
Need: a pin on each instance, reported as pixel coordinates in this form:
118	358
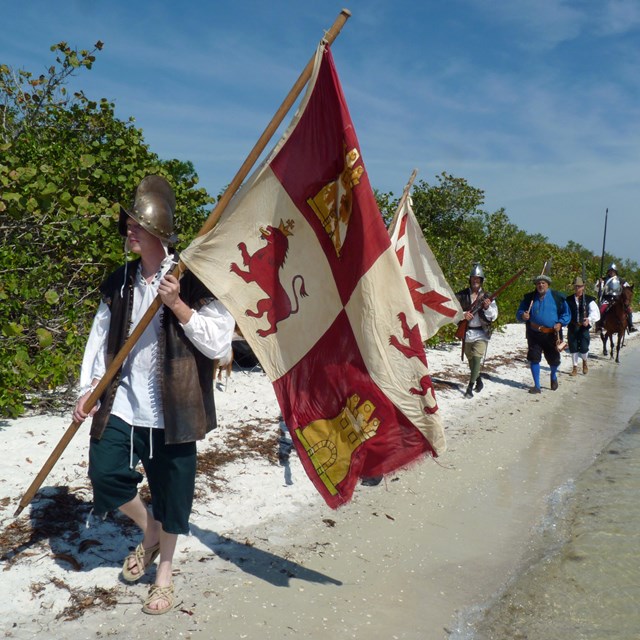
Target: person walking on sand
161	401
545	311
584	315
478	331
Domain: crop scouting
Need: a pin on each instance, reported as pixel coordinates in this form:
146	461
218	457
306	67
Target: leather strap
538	327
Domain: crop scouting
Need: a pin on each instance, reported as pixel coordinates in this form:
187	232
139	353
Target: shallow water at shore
584	578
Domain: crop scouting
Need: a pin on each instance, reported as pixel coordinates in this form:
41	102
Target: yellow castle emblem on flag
331	443
333	203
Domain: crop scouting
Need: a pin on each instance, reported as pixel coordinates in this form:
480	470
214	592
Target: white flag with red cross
433	298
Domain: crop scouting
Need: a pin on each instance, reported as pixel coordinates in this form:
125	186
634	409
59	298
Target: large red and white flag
432	297
302	259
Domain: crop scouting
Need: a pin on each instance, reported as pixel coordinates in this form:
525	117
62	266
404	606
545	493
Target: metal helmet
613	267
476	272
153	207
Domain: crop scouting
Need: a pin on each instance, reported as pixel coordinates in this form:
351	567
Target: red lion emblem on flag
261	267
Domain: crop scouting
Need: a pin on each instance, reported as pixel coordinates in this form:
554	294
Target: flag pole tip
18	511
346	12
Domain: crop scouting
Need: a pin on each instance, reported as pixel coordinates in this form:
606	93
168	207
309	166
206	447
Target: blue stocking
535	372
554	371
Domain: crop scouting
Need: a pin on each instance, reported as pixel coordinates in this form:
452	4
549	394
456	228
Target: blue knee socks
554	372
535	372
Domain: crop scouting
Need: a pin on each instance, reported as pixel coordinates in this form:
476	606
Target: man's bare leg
164	573
151	528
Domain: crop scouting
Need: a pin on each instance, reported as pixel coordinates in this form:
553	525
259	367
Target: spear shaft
604	240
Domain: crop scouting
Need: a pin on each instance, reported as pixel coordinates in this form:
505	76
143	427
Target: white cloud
619	17
537	24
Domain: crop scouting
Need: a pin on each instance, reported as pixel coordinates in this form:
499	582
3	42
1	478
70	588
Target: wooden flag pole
277	119
209	224
403	199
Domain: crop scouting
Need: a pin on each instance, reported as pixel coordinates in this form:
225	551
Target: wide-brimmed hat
578	282
542	278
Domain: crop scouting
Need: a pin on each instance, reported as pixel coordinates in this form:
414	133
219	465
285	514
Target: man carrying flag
304	263
161	402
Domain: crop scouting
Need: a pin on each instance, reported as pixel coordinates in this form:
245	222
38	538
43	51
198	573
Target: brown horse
614	320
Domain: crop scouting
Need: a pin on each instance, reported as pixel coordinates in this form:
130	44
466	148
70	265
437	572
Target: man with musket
584	315
609	290
480	311
161	401
545	311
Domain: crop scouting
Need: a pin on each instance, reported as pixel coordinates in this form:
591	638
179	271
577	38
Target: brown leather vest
186	374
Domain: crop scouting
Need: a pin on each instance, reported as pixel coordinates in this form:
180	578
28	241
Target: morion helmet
153	207
613	267
476	272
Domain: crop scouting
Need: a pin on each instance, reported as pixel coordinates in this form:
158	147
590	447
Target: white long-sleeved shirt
138	398
474	328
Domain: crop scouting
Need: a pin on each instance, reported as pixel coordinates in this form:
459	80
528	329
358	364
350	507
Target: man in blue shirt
545	311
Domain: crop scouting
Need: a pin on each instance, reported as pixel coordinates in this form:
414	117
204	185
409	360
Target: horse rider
610	289
584	315
478	332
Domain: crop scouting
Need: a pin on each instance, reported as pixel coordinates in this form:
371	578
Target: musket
209	224
604	240
461	331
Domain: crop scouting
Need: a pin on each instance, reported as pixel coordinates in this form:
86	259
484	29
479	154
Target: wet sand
411	557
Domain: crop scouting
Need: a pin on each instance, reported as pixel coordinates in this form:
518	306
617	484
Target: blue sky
537	102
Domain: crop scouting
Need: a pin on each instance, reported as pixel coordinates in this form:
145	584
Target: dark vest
186	374
571	303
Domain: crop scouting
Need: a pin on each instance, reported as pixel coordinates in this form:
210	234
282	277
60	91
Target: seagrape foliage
66	162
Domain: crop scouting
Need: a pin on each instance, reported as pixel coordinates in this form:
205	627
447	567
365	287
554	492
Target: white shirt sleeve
491	313
94	359
594	313
210	329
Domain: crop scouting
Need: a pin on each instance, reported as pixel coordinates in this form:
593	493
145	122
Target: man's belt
538	327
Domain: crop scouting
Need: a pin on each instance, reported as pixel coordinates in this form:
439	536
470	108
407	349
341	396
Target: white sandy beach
268	559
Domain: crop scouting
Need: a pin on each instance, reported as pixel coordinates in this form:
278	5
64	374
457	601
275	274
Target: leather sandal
143	558
156	594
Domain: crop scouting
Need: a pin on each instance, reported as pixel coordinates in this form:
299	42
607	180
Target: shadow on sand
60	518
262	564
